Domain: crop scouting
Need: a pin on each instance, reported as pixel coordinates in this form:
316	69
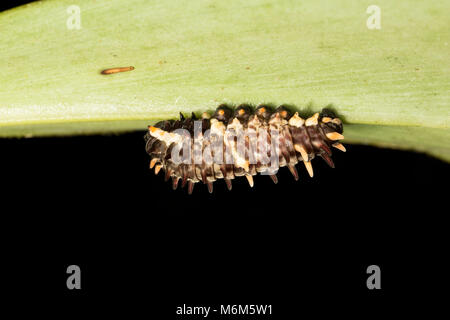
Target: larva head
284	112
243	112
223	113
263	112
155	148
328	118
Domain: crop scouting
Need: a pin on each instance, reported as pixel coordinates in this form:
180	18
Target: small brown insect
116	70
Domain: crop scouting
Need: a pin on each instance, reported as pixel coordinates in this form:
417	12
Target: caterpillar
241	142
117	70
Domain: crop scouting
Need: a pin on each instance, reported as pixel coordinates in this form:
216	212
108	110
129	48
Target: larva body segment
242	142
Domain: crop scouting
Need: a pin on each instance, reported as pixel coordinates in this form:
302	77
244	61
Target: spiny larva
242	142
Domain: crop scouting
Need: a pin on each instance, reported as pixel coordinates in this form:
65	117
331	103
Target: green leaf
391	86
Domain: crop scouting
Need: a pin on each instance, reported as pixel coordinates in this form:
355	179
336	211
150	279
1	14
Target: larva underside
281	136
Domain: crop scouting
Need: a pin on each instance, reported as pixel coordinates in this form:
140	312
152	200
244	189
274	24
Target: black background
93	202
